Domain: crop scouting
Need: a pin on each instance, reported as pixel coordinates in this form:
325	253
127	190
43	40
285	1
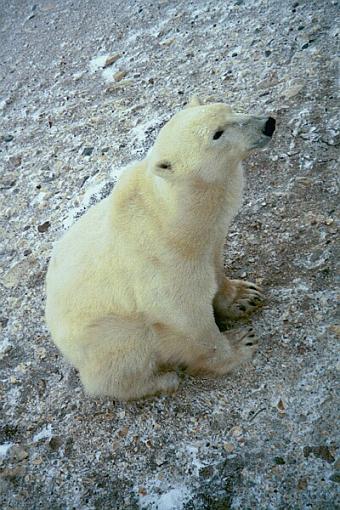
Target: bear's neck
195	214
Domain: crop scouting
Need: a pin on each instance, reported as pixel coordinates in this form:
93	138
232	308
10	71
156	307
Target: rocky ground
85	86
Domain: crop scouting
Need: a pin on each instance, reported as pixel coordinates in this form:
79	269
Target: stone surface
264	437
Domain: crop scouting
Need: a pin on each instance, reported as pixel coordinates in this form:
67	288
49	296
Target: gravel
85	87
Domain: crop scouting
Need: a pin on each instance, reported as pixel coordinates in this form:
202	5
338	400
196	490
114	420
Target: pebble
119	75
302	484
294	90
111	60
8	138
15	160
281	406
228	447
88	151
168	42
44	227
322	452
18	453
55	443
18	273
37	461
236	431
335	477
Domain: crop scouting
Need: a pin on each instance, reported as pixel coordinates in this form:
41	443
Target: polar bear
136	286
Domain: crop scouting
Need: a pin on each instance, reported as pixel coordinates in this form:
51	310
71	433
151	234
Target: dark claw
242	308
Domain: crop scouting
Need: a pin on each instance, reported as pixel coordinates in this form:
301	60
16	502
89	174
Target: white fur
131	285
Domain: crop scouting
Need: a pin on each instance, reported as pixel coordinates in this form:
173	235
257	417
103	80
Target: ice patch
139	132
174	499
193	452
4	449
94	189
98	62
5	346
108	73
45	433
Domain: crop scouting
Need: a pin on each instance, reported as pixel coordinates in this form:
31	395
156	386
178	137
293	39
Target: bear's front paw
237	300
240	346
244	343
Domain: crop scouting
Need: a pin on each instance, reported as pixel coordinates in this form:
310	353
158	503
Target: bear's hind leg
118	360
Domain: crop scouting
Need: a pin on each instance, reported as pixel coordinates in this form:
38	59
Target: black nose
269	127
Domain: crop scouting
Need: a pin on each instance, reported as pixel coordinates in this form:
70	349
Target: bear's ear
194	101
163	168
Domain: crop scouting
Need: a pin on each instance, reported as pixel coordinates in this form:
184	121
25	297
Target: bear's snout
269	127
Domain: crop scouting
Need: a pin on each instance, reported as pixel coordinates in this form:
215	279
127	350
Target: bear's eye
164	165
218	134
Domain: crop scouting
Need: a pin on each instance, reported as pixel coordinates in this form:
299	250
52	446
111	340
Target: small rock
15	161
88	151
3	322
236	431
119	75
294	90
228	447
279	461
37	461
281	406
302	484
206	472
160	459
44	227
8	138
18	273
335	477
11	473
322	452
55	443
168	42
111	60
18	453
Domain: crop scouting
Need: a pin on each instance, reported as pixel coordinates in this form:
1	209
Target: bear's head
207	142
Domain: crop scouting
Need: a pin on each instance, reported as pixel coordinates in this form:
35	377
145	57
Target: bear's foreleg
204	350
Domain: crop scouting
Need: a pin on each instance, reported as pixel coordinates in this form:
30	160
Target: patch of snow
173	499
5	346
98	62
93	190
45	433
4	449
108	73
193	452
